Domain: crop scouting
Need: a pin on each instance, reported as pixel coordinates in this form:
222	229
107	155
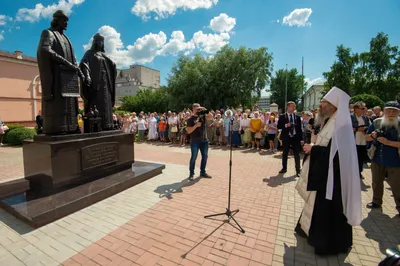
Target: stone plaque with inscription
99	154
69	82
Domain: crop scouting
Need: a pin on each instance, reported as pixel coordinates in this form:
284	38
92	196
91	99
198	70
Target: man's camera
381	133
202	114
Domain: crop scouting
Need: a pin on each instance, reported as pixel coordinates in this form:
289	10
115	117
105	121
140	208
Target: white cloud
1	37
164	8
177	44
316	81
298	17
4	19
222	23
146	48
40	11
210	43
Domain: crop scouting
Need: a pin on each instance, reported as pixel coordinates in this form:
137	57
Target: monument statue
59	74
98	89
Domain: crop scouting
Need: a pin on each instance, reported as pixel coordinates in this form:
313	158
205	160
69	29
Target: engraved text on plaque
99	154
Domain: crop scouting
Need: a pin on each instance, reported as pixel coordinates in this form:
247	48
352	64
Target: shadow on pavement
202	240
168	190
364	187
303	254
383	229
279	180
15	224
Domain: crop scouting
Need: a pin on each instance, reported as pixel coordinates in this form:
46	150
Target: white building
263	103
313	96
130	81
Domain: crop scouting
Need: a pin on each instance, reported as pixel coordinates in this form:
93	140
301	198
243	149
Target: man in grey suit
59	78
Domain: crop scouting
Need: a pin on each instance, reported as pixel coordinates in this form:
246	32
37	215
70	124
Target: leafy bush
147	101
121	112
18	135
11	127
370	100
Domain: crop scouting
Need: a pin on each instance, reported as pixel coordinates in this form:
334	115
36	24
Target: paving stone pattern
160	222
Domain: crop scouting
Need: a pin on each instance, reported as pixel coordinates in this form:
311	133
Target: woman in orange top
161	128
255	128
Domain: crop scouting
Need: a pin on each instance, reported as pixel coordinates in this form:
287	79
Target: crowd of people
376	134
254	129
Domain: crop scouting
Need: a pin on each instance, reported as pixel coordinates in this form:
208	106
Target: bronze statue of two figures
60	73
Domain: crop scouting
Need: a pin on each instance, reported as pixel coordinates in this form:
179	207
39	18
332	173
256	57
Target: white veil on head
343	143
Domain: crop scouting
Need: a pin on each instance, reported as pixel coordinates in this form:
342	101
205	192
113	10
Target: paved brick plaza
160	222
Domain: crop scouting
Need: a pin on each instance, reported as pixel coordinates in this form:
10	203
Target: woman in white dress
126	123
152	128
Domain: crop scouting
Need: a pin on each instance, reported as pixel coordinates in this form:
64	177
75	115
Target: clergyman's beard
389	122
323	114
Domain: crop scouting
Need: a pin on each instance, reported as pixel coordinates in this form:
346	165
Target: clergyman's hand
307	148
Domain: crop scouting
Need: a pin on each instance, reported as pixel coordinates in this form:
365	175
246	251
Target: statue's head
60	20
98	42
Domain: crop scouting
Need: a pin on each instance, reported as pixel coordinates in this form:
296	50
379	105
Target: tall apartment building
130	81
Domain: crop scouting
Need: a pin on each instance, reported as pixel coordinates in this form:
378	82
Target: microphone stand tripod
229	213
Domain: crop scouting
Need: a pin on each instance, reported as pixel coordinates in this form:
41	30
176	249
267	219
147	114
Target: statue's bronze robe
55	57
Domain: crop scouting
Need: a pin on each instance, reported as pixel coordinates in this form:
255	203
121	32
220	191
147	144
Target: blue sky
154	32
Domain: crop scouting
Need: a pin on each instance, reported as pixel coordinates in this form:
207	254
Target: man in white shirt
360	124
172	127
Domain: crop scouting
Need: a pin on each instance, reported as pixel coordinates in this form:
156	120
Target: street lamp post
286	88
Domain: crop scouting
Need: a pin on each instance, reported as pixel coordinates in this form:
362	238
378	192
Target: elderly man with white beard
384	134
329	181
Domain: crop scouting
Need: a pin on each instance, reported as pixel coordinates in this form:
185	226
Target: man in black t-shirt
198	141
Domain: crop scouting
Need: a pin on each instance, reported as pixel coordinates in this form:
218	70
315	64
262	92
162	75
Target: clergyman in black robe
329	232
329	185
99	87
56	60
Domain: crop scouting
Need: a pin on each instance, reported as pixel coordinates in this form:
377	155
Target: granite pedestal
37	209
56	162
70	172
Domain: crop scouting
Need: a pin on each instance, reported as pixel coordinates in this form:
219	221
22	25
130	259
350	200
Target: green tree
295	86
370	100
231	77
342	70
376	71
148	100
380	59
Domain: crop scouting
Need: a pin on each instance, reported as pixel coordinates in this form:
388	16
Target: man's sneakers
373	205
284	171
205	176
191	178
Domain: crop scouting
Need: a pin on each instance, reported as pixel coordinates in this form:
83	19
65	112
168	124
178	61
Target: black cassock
329	233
